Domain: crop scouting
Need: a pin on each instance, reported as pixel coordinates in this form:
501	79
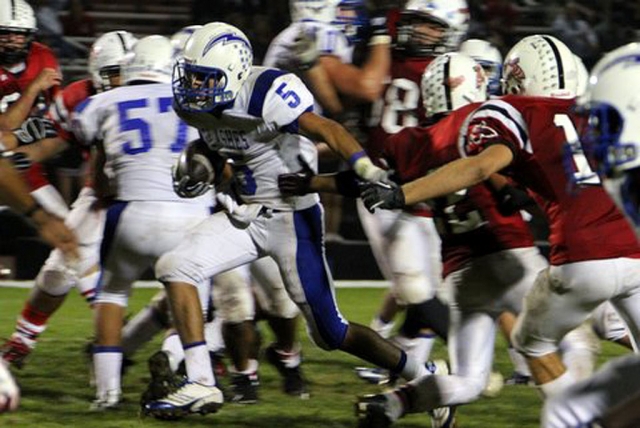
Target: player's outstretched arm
341	142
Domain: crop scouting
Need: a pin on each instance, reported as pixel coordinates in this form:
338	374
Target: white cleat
190	397
106	401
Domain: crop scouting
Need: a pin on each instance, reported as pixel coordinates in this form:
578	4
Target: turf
56	392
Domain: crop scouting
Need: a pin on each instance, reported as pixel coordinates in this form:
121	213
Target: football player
257	117
140	137
86	218
29	78
610	398
514	134
407	247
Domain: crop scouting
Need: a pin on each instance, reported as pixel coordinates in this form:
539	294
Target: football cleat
190	397
443	417
15	351
374	375
106	401
372	412
163	380
518	378
294	383
244	388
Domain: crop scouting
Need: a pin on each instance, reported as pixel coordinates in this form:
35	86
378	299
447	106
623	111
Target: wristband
354	157
31	211
381	39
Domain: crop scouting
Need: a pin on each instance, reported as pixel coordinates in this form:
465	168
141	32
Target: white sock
252	368
519	362
213	335
87	286
413	369
198	363
107	362
173	347
291	359
381	327
418	347
557	385
140	330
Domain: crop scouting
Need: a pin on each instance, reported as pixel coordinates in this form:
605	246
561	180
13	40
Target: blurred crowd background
70	26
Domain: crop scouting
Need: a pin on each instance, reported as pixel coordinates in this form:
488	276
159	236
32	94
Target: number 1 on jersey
583	173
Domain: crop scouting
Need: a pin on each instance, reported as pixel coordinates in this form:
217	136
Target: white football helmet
583	76
216	62
179	39
540	65
451	81
489	57
17	19
106	54
451	17
347	15
612	102
150	60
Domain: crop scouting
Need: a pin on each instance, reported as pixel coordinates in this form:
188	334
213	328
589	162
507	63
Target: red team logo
478	133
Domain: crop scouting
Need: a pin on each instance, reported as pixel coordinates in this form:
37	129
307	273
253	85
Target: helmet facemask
420	35
14	45
200	89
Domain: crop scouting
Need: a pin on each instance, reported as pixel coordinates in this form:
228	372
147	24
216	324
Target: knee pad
233	300
431	314
411	288
56	280
114	298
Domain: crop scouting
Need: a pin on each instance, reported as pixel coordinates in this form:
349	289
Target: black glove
382	195
296	183
34	129
20	161
512	199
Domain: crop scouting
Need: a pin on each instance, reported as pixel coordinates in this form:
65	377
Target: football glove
382	195
296	183
305	49
512	199
34	129
20	160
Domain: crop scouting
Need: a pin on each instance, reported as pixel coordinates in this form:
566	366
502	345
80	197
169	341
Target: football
201	170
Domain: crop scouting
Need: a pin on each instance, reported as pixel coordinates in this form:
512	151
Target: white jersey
142	138
259	135
330	41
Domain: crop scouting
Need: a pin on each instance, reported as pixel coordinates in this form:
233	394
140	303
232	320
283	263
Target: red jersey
468	221
401	104
584	224
13	82
60	111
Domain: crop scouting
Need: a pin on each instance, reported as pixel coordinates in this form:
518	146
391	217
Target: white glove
368	171
305	49
242	215
9	392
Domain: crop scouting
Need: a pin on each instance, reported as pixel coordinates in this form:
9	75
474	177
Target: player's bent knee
56	281
412	288
234	304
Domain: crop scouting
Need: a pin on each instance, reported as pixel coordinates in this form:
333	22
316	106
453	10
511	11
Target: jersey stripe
509	117
260	89
447	83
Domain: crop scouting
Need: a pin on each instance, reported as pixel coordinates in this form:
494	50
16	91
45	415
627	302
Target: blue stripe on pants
314	277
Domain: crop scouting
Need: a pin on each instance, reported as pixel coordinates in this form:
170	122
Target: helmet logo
225	39
513	70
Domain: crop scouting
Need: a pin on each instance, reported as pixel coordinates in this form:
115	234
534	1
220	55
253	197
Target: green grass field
56	393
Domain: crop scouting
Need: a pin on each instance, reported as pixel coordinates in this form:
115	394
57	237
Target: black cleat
293	382
243	388
371	411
